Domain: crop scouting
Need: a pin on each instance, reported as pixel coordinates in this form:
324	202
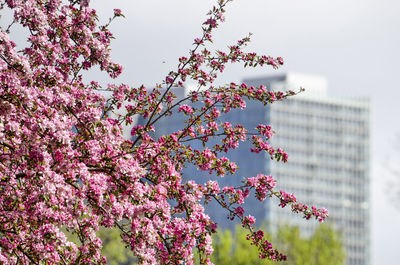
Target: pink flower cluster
263	185
266	249
186	109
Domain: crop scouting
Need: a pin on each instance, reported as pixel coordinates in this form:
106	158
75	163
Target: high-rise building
327	139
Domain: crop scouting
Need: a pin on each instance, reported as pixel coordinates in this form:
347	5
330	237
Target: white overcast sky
354	44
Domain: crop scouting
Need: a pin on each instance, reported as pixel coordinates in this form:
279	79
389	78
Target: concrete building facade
327	139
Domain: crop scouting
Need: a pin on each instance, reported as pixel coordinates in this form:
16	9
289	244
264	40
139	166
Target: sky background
354	44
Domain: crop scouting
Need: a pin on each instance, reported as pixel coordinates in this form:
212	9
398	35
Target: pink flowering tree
65	165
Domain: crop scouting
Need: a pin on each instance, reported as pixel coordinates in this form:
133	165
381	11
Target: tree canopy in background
324	247
114	249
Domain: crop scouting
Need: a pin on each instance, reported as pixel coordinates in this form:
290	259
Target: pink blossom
239	211
248	221
212	22
221	17
117	12
186	109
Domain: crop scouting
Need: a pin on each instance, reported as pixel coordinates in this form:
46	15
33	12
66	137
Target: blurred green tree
113	249
324	247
